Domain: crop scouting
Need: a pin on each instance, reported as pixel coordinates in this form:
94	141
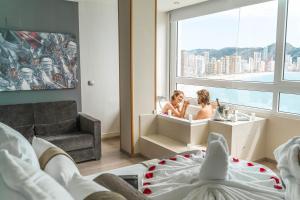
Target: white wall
279	131
162	47
98	30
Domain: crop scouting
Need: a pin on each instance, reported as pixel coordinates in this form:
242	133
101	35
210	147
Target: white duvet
211	176
287	156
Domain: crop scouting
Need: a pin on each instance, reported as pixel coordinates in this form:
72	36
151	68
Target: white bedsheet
288	164
178	178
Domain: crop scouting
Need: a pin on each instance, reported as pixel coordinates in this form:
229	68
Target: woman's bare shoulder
167	106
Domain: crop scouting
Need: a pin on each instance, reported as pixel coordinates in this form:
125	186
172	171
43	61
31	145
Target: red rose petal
147	191
146	183
249	164
162	162
148	175
152	168
173	158
262	169
187	155
235	159
276	179
278	187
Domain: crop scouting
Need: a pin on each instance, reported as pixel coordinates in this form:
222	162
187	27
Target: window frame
279	85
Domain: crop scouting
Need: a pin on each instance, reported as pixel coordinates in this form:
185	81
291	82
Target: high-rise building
184	62
220	67
262	67
206	57
265	54
245	66
200	65
213	65
187	64
256	61
270	66
251	64
298	64
289	63
235	64
227	65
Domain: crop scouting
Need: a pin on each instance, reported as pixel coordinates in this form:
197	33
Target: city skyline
209	62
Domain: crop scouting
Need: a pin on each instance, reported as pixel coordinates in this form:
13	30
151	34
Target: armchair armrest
118	185
93	126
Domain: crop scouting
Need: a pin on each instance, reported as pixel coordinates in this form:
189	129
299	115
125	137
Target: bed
177	177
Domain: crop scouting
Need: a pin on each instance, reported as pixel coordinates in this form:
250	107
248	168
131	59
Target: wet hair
204	97
175	94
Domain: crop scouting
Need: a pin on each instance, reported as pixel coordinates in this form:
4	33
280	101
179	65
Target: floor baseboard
110	135
266	160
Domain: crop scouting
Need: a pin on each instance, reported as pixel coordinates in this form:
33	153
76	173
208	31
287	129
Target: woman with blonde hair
207	109
174	105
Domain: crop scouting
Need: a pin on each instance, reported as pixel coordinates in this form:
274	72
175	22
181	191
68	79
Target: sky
250	26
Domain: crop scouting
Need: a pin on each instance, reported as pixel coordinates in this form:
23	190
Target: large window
292	49
247	54
289	103
232	96
238	44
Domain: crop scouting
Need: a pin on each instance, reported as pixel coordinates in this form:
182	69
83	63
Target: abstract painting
37	60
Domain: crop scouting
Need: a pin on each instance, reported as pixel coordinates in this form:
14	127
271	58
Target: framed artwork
37	60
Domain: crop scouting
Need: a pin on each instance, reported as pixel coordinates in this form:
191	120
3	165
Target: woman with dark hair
207	109
174	105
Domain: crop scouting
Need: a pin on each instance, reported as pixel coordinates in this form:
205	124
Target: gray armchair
59	123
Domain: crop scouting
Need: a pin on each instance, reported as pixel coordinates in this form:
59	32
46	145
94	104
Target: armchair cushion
55	118
72	141
63	127
19	117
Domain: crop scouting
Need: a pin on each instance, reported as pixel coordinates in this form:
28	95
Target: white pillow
60	167
7	193
80	187
31	183
16	144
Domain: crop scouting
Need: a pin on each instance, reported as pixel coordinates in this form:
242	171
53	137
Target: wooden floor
112	158
271	165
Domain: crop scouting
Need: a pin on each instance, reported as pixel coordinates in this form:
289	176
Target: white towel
288	165
216	136
215	164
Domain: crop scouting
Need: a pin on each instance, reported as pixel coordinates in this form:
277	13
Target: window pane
289	103
238	44
233	96
292	57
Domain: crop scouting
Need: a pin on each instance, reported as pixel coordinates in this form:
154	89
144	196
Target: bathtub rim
184	121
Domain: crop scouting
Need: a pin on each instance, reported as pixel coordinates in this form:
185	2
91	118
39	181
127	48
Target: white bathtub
191	110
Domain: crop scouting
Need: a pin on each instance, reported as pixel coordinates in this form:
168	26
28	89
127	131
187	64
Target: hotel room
149	99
